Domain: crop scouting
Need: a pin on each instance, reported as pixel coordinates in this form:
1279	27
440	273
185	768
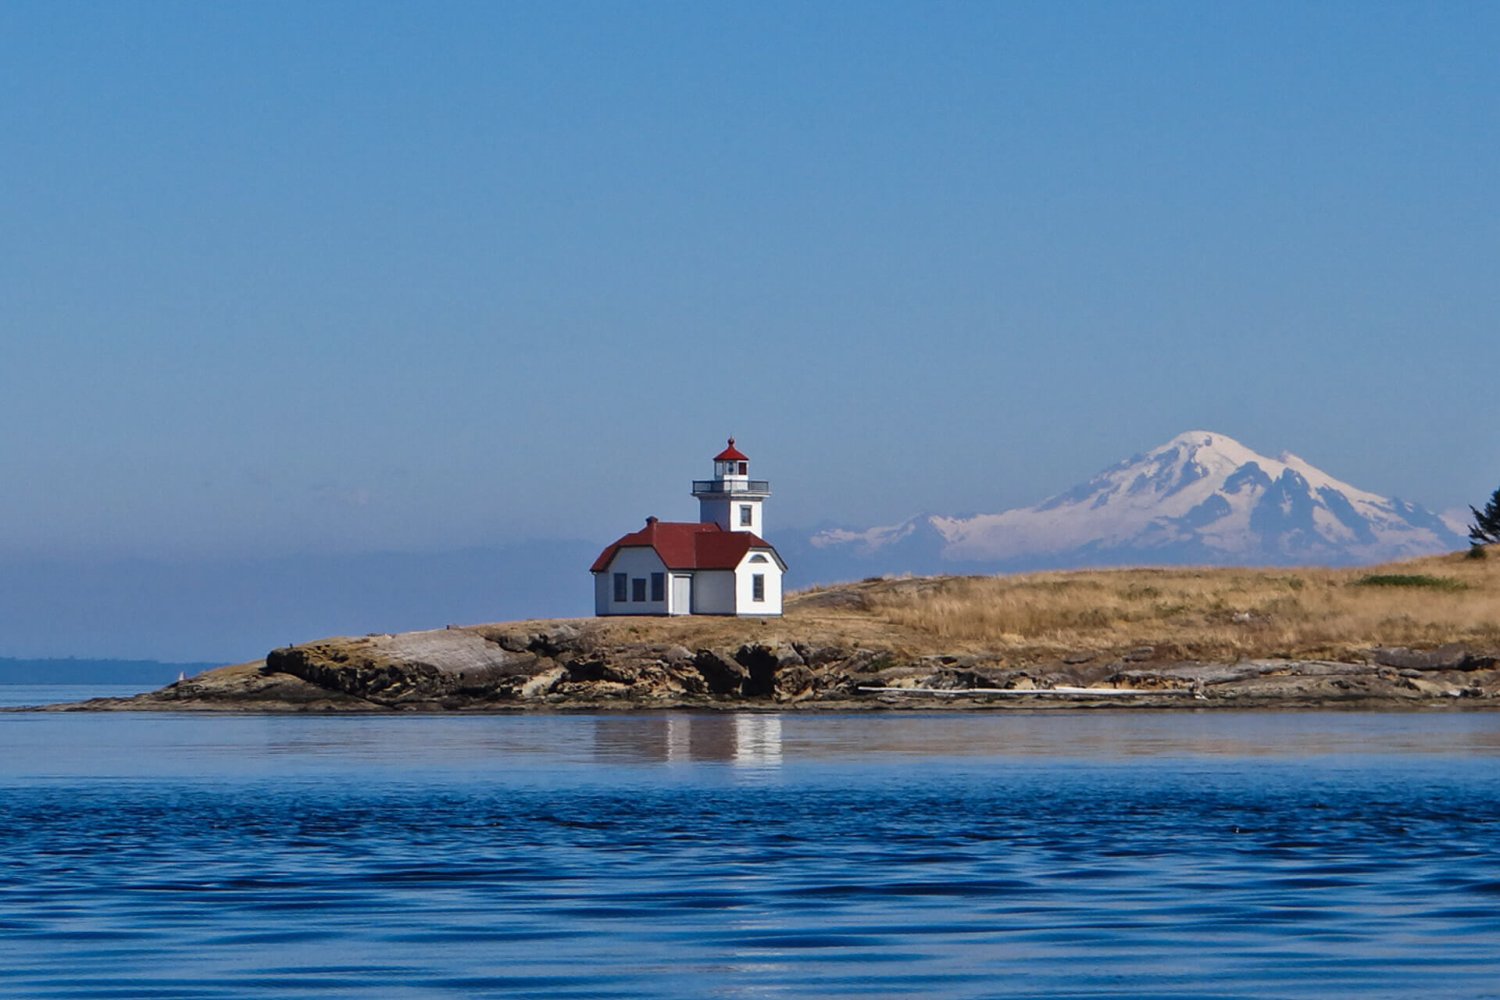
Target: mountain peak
1203	439
1207	446
1200	498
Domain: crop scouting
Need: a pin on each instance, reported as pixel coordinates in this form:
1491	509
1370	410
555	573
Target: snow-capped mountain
1201	498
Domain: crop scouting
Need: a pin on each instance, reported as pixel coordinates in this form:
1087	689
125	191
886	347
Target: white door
682	595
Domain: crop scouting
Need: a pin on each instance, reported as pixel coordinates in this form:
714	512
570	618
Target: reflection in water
771	740
679	737
745	740
757	740
530	748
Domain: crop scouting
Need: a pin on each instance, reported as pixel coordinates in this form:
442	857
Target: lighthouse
731	499
716	565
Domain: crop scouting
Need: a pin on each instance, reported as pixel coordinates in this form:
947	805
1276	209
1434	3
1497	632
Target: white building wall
744	585
637	563
601	593
713	592
754	527
726	514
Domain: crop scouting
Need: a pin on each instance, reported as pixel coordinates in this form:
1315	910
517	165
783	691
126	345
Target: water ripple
1370	875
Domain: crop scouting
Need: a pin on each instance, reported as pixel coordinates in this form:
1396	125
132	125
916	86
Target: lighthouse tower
731	499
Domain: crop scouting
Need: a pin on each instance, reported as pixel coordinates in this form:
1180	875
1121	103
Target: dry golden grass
1209	614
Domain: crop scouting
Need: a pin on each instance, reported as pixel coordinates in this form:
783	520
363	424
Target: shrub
1486	527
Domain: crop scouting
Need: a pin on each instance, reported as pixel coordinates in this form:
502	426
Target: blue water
1007	854
51	694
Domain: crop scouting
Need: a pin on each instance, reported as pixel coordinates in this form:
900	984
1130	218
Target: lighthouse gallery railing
731	486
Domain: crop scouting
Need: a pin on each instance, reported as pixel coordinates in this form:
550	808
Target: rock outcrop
582	665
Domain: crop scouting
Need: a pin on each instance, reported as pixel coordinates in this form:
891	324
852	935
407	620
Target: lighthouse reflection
742	739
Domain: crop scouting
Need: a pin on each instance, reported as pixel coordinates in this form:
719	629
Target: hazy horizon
236	608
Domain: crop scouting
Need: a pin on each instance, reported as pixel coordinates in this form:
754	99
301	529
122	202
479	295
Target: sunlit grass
1195	613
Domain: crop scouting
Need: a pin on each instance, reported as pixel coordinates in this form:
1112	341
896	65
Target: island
1422	633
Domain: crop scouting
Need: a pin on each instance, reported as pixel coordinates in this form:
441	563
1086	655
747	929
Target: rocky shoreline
594	664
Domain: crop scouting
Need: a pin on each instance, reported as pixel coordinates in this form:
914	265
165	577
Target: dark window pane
658	586
619	586
638	589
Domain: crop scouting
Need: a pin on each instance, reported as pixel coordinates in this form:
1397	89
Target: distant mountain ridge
146	673
1201	498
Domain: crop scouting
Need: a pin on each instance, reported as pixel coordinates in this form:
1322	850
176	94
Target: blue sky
302	277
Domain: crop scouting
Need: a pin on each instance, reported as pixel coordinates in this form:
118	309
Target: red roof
687	545
731	454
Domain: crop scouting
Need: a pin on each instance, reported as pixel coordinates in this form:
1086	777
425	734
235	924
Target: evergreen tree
1486	527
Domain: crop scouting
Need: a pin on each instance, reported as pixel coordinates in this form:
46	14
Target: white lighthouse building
731	499
719	565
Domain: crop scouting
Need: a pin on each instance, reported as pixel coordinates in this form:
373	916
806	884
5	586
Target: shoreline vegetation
1422	633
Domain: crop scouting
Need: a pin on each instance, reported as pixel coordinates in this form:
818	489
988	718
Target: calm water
51	694
1046	854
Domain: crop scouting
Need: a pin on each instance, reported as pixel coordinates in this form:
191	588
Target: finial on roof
651	520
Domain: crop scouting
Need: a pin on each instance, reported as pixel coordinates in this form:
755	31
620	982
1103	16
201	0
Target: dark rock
686	676
512	642
947	662
593	670
817	656
1200	673
552	642
762	663
676	655
1453	656
1140	654
721	675
958	680
785	654
410	668
793	683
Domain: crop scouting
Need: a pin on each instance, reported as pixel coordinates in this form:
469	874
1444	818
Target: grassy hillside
1208	614
1203	614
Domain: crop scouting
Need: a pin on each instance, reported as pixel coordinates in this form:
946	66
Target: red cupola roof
731	454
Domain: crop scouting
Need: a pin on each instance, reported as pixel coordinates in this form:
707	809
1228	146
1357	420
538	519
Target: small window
620	587
744	468
746	518
758	587
638	589
658	586
759	558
